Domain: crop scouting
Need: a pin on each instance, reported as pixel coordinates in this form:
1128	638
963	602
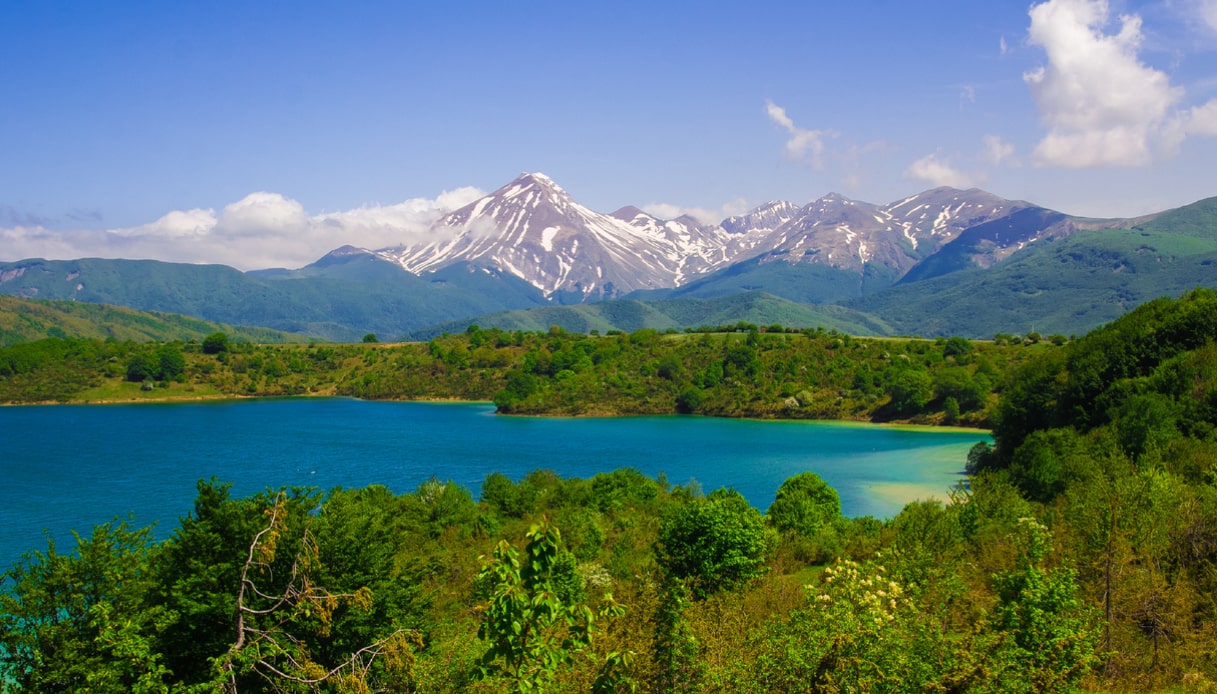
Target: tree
139	368
531	625
198	571
716	542
690	399
911	391
80	621
1050	637
860	630
370	338
804	504
957	347
170	363
215	343
675	648
273	624
950	411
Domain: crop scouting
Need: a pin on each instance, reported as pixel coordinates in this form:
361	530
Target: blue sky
261	134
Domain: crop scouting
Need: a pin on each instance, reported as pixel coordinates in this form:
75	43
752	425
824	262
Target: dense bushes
805	375
655	585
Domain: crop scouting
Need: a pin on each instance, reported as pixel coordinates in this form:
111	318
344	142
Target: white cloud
194	223
803	144
1207	11
1103	106
1201	120
1003	47
937	171
996	150
261	230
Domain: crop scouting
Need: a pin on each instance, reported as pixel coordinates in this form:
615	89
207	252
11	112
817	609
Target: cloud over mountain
260	230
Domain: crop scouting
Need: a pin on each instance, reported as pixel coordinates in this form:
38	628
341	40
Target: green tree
690	399
804	504
950	410
170	363
532	632
370	338
81	621
1049	634
675	649
861	631
910	390
716	542
199	568
215	343
140	368
279	618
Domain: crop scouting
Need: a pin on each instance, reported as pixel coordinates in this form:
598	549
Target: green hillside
340	301
629	315
810	283
1068	286
25	320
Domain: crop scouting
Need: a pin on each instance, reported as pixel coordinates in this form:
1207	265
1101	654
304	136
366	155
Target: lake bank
591	413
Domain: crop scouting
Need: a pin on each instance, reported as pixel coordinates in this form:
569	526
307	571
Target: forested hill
735	371
1141	390
24	320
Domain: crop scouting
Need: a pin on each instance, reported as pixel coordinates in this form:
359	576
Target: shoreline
897	425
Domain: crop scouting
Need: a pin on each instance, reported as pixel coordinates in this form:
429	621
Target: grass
119	390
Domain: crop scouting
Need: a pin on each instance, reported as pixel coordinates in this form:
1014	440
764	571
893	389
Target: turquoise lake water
72	467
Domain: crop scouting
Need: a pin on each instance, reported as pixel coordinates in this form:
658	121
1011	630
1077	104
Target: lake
71	467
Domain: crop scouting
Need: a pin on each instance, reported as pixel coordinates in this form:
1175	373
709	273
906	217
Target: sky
264	134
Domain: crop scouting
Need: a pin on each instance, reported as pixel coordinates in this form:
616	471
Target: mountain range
944	261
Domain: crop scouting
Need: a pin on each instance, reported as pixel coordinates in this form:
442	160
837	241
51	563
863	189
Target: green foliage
715	543
83	621
1146	376
140	368
741	373
364	587
532	622
215	343
804	504
170	364
1049	635
675	648
860	630
911	390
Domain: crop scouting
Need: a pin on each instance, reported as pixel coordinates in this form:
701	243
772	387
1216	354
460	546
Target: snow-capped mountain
533	229
849	234
936	217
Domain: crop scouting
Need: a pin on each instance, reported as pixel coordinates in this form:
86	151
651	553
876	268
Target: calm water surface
72	467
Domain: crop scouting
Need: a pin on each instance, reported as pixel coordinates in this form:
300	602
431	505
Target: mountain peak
533	189
535	179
